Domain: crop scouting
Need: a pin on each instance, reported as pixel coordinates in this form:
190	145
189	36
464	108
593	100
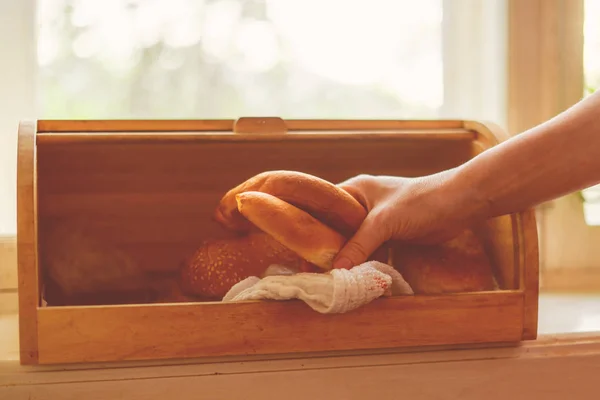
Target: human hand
423	210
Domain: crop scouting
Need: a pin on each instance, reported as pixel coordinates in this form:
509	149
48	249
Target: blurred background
226	58
512	62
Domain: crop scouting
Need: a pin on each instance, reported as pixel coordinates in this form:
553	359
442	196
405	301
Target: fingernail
342	263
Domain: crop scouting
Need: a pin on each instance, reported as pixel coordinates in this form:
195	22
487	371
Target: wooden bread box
149	187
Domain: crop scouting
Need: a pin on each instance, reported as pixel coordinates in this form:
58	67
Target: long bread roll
293	228
325	201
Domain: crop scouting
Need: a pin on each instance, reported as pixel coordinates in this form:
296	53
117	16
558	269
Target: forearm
543	163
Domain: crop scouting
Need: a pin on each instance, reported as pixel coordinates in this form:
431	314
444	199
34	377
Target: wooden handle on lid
261	125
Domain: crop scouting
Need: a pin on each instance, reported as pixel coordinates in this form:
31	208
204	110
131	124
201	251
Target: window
231	58
591	60
17	97
570	275
591	55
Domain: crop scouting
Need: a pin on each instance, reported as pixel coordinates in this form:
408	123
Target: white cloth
333	292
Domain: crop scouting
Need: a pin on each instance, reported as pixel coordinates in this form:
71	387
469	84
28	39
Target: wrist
466	200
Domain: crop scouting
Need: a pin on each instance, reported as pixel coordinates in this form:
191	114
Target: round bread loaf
219	264
458	265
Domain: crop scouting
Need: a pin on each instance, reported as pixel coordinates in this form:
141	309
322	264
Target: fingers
358	187
367	239
356	180
356	193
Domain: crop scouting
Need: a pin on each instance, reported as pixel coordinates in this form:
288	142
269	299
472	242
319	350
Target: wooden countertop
545	369
551	368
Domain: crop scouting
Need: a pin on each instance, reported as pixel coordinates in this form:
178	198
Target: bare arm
557	157
543	163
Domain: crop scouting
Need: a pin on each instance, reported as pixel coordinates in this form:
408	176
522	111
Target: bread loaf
219	264
293	228
81	268
458	265
323	200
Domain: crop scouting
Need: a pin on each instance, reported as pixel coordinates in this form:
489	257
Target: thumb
356	193
364	242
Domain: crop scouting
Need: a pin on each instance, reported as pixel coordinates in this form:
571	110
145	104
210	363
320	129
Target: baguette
325	201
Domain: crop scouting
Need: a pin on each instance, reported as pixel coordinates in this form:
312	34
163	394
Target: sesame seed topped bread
219	264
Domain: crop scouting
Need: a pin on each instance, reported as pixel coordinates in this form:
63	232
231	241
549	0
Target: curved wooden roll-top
150	188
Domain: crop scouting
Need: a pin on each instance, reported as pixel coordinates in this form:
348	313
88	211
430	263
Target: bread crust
294	228
217	265
456	266
325	201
